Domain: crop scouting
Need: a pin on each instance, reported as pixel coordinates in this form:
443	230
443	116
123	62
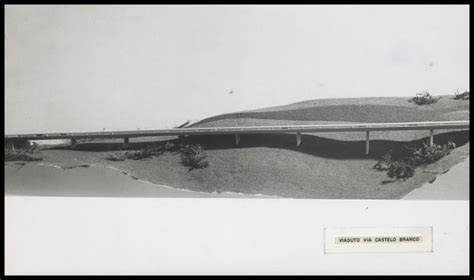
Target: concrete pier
431	137
367	142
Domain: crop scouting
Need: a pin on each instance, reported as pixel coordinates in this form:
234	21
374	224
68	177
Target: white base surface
454	184
57	235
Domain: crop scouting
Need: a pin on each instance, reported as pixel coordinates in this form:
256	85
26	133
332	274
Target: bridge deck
248	130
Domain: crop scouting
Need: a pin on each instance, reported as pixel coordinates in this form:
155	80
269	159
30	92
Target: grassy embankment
325	165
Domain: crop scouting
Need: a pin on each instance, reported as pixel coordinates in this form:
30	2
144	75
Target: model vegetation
424	98
403	164
324	165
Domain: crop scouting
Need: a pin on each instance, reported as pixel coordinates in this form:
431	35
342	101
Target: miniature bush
157	150
194	156
19	156
384	163
400	170
115	157
424	98
403	166
430	153
33	147
462	96
142	154
150	151
147	152
169	146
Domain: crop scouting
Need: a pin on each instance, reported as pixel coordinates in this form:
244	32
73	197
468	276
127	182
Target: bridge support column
237	139
126	140
73	142
298	138
431	137
367	142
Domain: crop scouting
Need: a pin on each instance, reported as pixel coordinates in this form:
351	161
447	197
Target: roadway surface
248	130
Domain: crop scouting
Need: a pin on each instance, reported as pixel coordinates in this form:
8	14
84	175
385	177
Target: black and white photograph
126	125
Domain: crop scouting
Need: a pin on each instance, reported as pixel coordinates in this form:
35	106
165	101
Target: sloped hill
369	110
325	165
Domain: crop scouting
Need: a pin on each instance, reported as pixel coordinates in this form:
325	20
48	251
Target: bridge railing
297	129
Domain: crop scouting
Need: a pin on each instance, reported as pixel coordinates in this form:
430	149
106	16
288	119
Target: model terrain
325	165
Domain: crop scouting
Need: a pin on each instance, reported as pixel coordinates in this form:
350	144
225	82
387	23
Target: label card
377	240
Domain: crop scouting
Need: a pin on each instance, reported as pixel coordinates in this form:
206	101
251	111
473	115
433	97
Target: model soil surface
325	165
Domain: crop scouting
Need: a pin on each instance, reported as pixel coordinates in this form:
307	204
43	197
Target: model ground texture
325	165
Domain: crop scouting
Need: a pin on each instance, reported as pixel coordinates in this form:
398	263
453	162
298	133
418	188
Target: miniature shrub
430	153
142	154
194	156
463	96
147	152
34	147
150	151
404	166
424	98
155	150
19	156
400	170
115	157
169	146
384	163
